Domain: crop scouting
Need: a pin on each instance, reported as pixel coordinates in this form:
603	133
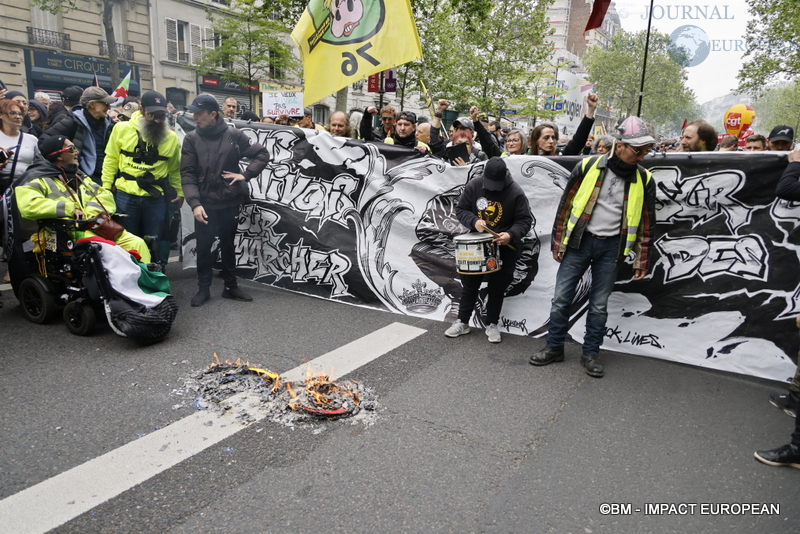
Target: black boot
593	367
547	356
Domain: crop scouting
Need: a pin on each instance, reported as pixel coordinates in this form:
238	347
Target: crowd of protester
128	155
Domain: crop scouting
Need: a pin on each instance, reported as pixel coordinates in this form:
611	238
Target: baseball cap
50	145
129	108
203	103
72	94
153	101
464	122
633	131
782	133
96	94
494	174
409	116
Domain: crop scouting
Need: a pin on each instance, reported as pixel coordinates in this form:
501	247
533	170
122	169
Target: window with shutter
209	40
172	39
196	42
43	20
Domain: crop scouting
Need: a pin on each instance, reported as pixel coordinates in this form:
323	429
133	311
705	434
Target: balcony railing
123	51
39	36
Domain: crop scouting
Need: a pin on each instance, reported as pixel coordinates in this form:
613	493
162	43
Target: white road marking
59	499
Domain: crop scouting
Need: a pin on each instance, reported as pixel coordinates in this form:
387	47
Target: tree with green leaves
249	46
616	74
484	52
778	105
107	6
772	52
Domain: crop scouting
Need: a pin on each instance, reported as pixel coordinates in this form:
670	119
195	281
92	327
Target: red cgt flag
598	14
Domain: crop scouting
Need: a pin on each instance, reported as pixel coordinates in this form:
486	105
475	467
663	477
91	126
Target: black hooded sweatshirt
505	211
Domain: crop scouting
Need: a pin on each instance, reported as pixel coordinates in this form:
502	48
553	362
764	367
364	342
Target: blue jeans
600	255
145	215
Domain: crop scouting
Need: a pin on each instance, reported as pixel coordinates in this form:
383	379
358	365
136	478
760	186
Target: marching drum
476	254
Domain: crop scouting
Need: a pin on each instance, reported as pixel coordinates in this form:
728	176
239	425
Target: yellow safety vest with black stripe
120	168
633	206
49	198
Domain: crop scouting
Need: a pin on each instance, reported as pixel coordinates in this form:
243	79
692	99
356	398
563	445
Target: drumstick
495	234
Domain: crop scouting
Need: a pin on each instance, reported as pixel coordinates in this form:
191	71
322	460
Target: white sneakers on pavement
493	333
457	329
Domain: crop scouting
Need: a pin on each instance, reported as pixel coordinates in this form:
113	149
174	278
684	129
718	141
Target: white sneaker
493	333
457	329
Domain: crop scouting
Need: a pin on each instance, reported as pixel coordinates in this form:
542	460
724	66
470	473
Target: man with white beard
143	164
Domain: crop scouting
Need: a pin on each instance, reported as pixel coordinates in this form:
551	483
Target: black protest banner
373	225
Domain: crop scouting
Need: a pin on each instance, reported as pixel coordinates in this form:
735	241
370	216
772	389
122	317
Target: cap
633	131
249	116
464	122
129	108
782	133
72	94
203	103
308	112
96	94
494	174
409	116
50	145
153	101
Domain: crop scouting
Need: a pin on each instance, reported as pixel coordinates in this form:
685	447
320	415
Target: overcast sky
716	76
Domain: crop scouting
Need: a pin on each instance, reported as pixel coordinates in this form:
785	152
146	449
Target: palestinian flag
136	300
121	92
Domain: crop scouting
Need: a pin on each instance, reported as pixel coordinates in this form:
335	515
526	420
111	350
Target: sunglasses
387	118
71	149
640	151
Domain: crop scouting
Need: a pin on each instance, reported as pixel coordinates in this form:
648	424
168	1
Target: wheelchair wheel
79	318
38	305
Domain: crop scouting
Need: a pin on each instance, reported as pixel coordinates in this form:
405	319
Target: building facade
42	51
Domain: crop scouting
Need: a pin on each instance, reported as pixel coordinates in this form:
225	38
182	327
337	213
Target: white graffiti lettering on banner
257	244
326	268
710	256
258	247
700	198
315	195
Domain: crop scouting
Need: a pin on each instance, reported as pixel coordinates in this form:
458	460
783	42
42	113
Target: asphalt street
468	436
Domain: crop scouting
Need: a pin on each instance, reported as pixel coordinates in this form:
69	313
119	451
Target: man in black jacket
210	175
494	202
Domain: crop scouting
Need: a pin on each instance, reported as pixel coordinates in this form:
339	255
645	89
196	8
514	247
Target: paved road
468	438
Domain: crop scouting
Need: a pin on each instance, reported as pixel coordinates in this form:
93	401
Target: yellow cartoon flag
344	41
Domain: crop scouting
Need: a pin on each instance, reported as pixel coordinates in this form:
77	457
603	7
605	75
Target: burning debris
315	398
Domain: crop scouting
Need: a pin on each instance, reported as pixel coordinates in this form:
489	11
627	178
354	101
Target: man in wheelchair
68	265
54	188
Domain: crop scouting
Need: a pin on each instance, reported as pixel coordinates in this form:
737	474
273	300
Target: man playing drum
492	202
